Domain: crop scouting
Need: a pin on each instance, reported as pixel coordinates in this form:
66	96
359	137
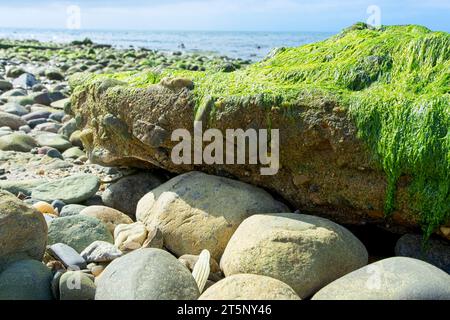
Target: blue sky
251	15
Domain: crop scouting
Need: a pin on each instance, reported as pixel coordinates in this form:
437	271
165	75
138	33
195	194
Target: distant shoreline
235	44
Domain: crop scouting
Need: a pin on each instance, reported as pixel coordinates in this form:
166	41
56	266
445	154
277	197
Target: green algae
394	83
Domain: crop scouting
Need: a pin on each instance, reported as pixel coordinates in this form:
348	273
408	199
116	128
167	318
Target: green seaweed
393	81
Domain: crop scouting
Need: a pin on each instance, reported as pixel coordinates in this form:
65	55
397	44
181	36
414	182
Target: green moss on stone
393	81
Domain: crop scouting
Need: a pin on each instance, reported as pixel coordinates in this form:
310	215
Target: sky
222	15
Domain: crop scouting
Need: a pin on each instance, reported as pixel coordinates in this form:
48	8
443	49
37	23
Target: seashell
44	207
202	269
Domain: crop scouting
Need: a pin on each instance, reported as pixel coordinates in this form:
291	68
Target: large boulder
338	111
397	278
294	248
78	231
196	211
146	274
249	287
26	280
23	230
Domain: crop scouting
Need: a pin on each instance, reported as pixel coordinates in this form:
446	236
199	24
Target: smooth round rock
76	285
71	210
53	140
125	194
24	186
26	280
109	216
72	189
38	114
77	231
73	153
17	142
296	249
128	237
11	120
23	230
249	287
436	252
146	274
14	108
397	278
197	211
67	255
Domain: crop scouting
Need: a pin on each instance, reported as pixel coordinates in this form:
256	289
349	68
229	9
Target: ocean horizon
249	45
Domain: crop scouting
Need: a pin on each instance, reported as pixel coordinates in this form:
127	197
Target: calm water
246	45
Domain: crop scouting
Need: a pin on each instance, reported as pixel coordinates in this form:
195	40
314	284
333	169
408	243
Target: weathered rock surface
128	237
146	274
26	280
101	251
196	211
297	249
249	287
326	167
109	216
125	194
72	189
23	230
398	278
78	231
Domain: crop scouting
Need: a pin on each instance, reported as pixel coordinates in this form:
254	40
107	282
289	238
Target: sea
236	44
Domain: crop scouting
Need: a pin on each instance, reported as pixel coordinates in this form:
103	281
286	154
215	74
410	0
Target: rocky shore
92	208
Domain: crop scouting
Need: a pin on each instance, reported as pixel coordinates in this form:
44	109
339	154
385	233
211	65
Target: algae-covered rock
362	119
